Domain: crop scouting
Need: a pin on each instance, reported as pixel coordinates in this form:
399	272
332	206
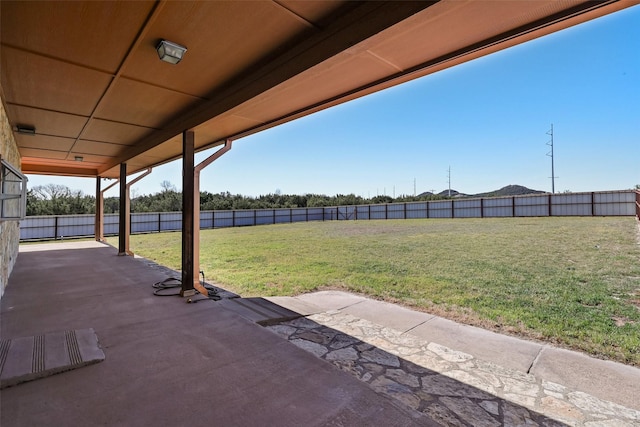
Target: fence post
386	211
405	210
274	215
513	206
549	204
427	209
255	217
55	228
233	218
481	207
593	205
453	209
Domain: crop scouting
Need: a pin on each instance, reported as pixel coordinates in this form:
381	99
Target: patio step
30	358
259	310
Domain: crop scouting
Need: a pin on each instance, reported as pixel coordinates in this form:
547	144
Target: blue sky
486	119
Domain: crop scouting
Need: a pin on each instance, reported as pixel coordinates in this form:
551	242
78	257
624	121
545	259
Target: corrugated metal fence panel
440	209
145	222
467	208
111	224
37	227
76	225
265	216
614	203
223	219
315	214
417	210
362	212
283	216
378	212
395	211
299	215
532	205
500	207
171	221
571	204
206	219
244	218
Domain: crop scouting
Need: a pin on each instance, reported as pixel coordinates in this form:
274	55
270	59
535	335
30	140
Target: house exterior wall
9	230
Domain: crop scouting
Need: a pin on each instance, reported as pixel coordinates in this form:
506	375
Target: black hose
163	289
170	283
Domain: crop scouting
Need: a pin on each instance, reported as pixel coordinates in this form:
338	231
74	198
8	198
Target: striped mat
30	358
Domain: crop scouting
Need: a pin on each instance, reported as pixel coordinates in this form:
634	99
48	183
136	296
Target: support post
188	191
100	211
127	248
99	216
123	212
196	214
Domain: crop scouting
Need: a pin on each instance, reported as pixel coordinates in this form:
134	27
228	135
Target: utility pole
414	187
449	178
550	154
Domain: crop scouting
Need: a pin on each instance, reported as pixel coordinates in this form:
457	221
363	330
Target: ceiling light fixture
26	130
170	52
78	158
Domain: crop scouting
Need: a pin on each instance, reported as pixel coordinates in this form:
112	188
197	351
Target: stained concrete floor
167	363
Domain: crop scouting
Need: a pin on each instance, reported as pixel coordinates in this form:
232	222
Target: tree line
56	199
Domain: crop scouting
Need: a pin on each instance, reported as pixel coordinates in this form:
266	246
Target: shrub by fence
611	203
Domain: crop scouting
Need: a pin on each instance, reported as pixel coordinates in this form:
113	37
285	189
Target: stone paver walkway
452	387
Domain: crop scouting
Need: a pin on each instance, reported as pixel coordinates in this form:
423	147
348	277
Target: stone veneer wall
9	230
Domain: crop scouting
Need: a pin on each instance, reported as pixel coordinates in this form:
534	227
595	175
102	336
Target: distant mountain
509	190
454	193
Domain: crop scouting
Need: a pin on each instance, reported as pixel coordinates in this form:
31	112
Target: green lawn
574	282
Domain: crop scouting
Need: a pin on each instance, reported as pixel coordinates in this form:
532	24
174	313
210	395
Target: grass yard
574	282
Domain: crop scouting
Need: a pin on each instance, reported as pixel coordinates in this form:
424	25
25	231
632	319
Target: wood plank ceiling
87	77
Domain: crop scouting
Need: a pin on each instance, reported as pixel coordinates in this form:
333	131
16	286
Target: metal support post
123	213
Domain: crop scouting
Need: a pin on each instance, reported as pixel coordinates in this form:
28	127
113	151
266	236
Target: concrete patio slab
501	349
619	383
390	315
296	305
331	300
167	363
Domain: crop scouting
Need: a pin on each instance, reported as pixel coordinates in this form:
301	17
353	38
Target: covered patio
167	363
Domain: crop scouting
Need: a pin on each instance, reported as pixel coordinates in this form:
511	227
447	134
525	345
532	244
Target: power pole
449	178
550	154
414	187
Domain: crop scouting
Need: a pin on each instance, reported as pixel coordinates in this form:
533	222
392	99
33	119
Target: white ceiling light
170	52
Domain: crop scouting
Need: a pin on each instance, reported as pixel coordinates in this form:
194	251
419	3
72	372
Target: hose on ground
164	289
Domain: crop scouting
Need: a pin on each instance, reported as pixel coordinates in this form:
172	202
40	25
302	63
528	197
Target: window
13	192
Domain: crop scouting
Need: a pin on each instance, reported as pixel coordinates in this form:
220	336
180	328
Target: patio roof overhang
86	77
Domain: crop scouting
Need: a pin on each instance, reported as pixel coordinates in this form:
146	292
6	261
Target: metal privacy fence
611	203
